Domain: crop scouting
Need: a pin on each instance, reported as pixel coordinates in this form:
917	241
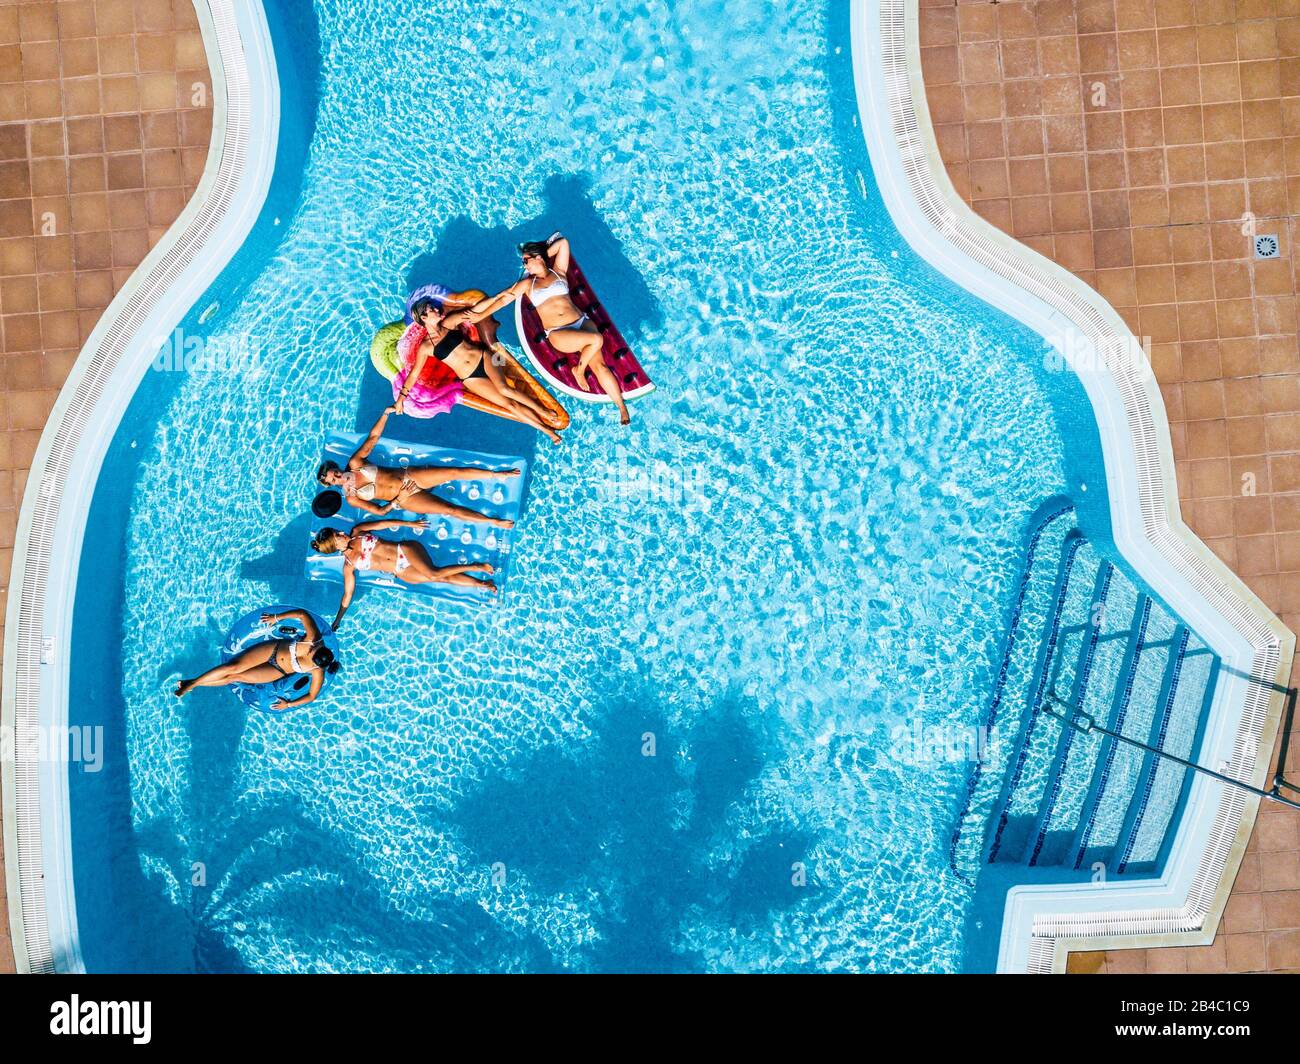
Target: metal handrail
1279	777
1079	720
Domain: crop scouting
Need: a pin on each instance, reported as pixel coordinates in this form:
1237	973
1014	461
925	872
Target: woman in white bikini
366	485
273	660
567	328
363	551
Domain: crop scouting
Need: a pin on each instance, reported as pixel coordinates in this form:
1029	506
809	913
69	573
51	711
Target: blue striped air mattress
448	540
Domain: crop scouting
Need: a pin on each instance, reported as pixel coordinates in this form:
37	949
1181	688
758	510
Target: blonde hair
322	542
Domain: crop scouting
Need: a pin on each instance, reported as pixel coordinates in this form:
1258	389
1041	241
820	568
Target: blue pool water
808	538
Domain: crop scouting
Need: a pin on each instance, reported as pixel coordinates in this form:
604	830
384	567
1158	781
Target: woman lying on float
393	353
407	560
566	328
274	660
446	352
378	489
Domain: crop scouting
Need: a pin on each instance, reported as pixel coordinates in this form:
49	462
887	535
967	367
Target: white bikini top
363	481
558	287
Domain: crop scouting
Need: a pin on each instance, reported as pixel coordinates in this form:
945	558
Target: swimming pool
809	539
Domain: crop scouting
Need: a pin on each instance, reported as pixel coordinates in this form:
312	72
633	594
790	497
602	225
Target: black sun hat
327	504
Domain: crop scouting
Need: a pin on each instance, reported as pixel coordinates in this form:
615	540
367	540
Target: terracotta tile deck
1142	144
105	119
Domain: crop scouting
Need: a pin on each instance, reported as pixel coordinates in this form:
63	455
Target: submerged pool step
1159	725
1035	609
1120	765
1094	693
1036	768
1085	639
1159	792
1184	739
1070	687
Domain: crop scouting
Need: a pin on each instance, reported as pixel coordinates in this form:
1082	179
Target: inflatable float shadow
280	569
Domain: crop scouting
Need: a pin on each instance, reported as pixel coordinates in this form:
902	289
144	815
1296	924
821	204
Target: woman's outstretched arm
486	307
421	357
301	616
349	586
368	444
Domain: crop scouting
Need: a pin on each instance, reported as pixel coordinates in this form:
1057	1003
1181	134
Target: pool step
1037	602
1037	764
1102	819
1083	640
1112	628
1161	788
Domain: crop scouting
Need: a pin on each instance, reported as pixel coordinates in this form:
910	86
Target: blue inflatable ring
249	631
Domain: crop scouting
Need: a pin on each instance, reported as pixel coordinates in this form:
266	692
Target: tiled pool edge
1183	908
47	545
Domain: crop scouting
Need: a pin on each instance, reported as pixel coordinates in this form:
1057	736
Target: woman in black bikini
472	363
273	660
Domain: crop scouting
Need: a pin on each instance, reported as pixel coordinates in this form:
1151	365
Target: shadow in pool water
282	570
232	860
467	255
655	838
198	649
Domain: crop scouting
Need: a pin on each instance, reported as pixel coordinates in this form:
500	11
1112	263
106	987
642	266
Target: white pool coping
66	467
1042	923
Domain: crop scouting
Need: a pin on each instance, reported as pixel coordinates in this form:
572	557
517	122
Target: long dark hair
323	658
326	467
535	247
421	306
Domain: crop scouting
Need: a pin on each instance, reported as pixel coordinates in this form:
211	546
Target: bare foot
486	568
625	418
580	376
183	688
500	474
499	522
553	436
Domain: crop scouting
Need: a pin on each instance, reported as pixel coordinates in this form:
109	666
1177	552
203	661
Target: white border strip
213	226
1184	905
